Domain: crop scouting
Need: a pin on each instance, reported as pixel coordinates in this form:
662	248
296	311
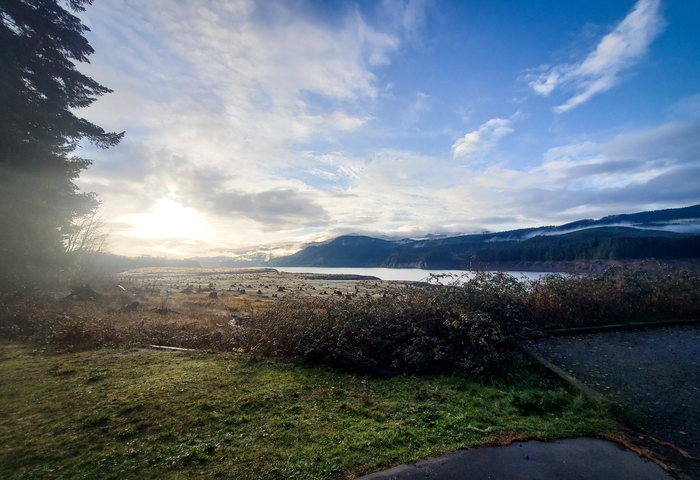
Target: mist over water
403	274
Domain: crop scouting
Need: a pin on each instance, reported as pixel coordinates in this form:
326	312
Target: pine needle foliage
40	90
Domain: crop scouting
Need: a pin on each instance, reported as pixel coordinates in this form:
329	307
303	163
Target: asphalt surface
651	376
579	459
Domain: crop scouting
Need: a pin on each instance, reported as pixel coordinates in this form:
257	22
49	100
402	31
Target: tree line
557	248
41	88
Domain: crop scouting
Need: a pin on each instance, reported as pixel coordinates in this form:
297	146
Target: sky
260	126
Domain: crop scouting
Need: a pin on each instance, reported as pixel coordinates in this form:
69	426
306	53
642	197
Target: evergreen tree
40	88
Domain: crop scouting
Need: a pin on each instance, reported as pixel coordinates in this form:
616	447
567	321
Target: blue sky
262	125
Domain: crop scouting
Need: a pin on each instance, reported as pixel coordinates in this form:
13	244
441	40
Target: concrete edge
574	385
561	332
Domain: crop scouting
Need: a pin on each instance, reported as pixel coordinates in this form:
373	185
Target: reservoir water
405	274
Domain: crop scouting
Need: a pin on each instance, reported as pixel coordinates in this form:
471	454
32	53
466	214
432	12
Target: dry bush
465	326
413	331
619	295
499	294
62	323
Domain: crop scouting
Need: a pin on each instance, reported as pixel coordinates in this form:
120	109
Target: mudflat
255	284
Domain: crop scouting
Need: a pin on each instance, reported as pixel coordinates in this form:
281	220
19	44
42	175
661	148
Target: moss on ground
135	413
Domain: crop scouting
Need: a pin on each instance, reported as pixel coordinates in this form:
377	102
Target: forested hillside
603	239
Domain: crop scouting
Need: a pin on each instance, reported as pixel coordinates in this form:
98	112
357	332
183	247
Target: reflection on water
406	274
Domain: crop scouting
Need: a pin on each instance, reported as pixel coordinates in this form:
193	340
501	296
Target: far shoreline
569	267
592	266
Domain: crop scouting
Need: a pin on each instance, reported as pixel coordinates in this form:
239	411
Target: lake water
406	274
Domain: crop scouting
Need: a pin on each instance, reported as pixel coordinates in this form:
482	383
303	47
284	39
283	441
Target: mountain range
661	234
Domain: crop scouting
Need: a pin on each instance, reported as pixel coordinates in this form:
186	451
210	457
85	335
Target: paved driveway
651	375
572	459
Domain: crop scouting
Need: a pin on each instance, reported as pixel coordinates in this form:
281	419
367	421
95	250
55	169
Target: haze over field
277	123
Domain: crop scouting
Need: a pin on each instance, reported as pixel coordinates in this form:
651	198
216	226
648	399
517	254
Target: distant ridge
660	234
121	263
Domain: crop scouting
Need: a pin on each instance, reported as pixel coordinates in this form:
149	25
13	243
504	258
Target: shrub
416	331
619	295
499	294
467	326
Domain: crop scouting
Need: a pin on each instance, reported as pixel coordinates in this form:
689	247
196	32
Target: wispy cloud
600	70
650	168
688	108
406	15
398	193
245	124
218	97
403	194
419	105
483	139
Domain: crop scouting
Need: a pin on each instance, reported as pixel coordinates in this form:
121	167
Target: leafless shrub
88	233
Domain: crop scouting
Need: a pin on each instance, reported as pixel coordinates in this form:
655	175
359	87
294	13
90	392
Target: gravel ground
652	376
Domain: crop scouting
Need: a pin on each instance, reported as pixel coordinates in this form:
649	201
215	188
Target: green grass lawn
135	413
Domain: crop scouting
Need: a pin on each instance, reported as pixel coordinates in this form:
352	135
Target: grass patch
157	414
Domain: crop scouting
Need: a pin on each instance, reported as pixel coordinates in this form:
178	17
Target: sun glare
168	219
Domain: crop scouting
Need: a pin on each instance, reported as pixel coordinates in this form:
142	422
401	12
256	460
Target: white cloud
254	74
406	15
600	70
216	97
482	140
688	108
346	123
419	105
652	168
222	107
403	194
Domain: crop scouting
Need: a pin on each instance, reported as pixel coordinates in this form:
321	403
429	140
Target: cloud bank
242	119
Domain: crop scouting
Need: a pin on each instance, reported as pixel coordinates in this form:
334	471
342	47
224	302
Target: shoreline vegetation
230	309
296	375
590	266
